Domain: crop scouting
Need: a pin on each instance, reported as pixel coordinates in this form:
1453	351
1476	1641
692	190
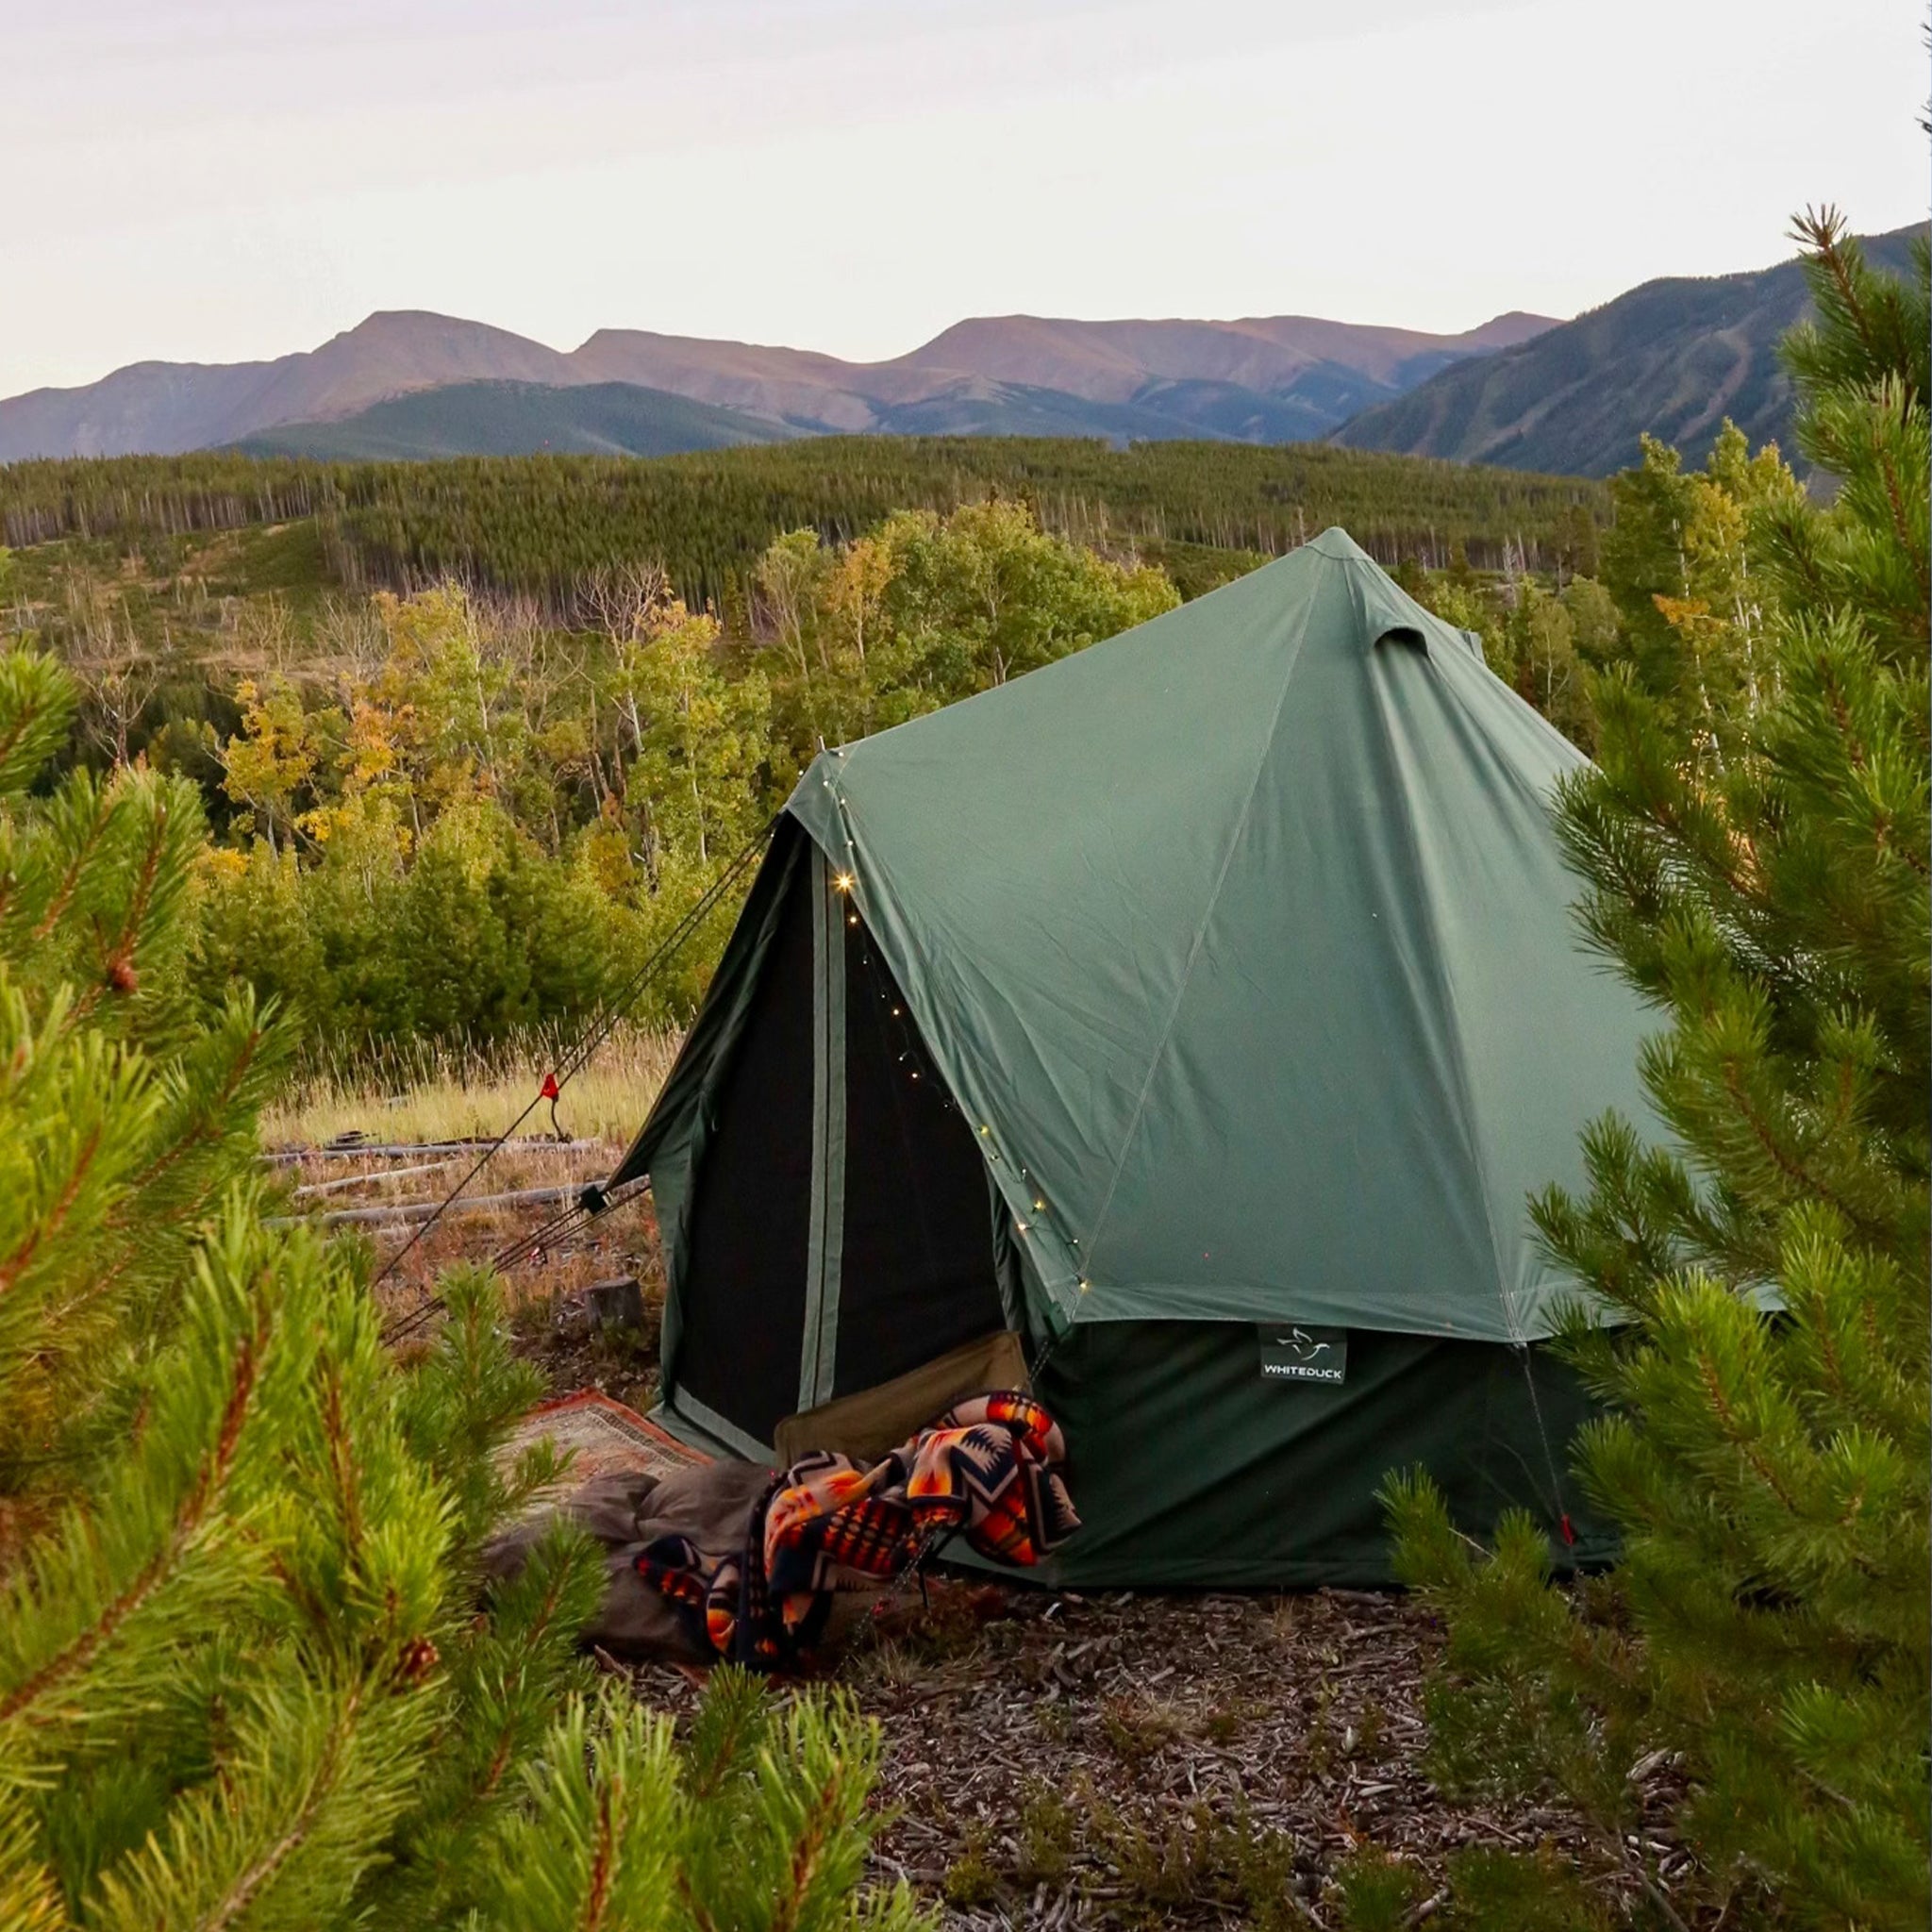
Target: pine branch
38	701
108	1562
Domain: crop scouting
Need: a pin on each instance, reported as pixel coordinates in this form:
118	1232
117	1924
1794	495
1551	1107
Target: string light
888	992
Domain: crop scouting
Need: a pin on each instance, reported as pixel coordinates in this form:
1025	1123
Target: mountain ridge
1672	356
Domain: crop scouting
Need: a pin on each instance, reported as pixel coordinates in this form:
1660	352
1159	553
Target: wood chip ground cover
1062	1760
1129	1759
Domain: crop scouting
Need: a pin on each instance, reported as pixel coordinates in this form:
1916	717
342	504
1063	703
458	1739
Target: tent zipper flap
825	1242
701	1425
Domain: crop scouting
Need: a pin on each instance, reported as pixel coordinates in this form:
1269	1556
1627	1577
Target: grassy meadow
429	1091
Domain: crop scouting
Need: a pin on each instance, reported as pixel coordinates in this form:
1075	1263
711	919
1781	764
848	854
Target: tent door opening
842	1224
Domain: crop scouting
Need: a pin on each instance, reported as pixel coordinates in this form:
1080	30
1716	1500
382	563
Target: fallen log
382	1174
401	1214
402	1150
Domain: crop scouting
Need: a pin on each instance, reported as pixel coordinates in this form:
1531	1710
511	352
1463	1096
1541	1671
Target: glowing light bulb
844	881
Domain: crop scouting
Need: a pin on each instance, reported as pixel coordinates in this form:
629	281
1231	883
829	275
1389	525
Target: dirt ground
1058	1760
546	1292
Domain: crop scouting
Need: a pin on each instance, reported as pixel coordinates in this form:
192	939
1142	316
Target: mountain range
1267	379
1672	356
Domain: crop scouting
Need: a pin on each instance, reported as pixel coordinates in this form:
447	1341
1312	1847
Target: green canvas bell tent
1201	1008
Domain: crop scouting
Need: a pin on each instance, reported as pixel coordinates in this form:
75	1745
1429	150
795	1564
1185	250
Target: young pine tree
1759	1336
243	1680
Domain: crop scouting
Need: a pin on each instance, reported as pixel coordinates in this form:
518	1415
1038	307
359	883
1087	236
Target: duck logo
1296	1351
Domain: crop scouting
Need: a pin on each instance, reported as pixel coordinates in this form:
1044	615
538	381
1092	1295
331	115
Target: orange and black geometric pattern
988	1470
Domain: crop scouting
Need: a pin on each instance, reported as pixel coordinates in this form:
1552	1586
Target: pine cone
418	1658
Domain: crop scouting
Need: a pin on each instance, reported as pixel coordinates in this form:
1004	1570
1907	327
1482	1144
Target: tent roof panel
1245	938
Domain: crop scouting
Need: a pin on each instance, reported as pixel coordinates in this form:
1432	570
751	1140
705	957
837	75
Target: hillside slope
515	419
1673	358
150	408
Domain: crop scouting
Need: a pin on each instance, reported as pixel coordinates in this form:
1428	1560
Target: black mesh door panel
743	1304
916	1276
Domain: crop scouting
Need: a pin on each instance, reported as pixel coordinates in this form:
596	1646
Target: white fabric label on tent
1299	1352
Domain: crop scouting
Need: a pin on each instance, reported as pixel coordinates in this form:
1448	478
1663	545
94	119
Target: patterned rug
603	1437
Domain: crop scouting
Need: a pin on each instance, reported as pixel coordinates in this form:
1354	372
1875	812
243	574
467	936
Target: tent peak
1337	543
1387	610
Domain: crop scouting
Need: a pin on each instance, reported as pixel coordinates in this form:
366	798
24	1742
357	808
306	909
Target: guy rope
592	1201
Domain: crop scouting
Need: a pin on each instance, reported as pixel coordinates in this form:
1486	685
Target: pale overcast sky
196	180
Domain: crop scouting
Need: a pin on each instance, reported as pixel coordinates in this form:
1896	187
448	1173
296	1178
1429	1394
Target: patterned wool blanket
988	1470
